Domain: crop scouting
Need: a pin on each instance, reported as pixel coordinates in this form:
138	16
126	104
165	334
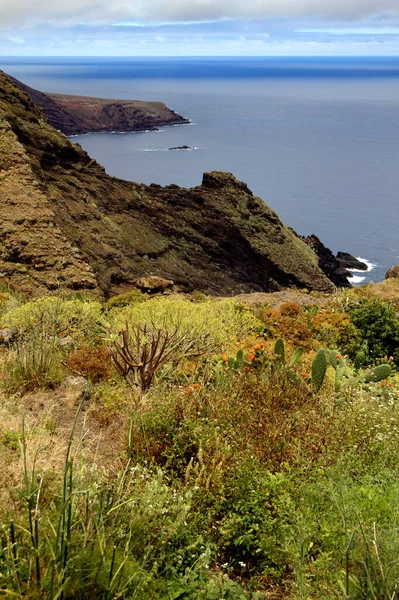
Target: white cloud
16	40
26	12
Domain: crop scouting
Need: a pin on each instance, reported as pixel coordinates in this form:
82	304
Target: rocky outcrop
153	284
65	224
392	273
83	114
347	261
335	267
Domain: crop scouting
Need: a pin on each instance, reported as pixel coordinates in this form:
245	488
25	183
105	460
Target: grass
231	477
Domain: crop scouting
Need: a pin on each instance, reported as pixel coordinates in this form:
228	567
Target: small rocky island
182	148
74	115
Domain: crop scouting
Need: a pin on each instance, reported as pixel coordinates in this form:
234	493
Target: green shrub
251	518
35	362
56	317
378	323
129	538
224	321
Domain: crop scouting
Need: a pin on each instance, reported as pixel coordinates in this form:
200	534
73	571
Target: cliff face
65	223
81	114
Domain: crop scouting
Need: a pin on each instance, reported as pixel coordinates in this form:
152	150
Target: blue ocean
316	138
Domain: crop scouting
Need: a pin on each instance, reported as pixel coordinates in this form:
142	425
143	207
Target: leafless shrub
139	355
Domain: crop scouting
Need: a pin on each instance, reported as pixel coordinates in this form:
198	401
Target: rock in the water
392	273
347	261
328	263
182	148
152	283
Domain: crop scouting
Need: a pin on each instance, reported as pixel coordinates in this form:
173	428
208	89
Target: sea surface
317	139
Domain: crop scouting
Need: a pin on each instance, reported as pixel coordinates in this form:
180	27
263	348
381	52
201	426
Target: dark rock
392	273
347	261
328	263
182	148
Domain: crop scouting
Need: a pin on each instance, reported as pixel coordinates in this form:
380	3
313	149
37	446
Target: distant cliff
82	114
65	224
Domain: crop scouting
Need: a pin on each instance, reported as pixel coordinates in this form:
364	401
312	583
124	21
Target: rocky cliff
83	114
64	223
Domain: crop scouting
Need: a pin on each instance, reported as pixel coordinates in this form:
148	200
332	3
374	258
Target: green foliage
225	322
319	369
378	323
252	518
296	357
57	318
235	478
361	356
131	297
35	362
133	537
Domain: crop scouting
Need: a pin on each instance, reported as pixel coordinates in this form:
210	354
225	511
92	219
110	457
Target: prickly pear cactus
279	349
296	357
360	359
341	372
319	368
333	358
240	359
378	373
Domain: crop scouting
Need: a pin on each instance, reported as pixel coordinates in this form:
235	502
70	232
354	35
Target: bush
335	329
91	361
131	538
35	362
251	516
379	326
58	318
224	321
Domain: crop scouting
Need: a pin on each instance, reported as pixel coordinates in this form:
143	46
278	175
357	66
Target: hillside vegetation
190	447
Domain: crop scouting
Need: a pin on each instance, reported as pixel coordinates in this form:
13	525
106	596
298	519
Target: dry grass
387	290
276	299
48	419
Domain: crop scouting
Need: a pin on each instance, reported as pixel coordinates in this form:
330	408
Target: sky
199	27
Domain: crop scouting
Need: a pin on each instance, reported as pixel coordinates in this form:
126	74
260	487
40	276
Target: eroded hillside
65	223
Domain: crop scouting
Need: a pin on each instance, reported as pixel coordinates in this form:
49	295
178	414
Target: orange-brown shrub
291	323
296	331
283	422
290	309
92	362
329	319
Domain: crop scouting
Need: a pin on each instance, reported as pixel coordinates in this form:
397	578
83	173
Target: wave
190	122
73	135
370	265
356	279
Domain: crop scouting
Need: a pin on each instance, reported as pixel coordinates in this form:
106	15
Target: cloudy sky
198	27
